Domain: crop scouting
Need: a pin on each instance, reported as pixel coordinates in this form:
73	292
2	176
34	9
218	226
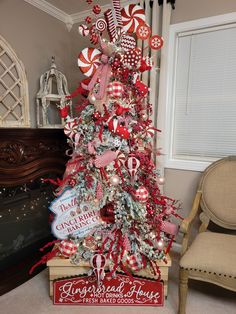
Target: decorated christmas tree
108	208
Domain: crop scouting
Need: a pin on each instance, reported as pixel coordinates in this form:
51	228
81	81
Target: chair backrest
218	186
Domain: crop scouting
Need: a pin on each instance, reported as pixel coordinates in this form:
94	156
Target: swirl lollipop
101	25
89	61
133	15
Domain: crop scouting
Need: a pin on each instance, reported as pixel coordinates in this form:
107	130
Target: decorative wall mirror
14	100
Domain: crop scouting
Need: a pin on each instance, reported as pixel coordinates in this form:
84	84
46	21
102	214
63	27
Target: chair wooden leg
183	289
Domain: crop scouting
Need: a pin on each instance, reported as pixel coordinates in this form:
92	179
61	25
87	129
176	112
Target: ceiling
75	6
72	11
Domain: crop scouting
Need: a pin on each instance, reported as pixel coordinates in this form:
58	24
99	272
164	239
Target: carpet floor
203	298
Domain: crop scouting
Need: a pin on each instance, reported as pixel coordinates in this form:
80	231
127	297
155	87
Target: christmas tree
109	209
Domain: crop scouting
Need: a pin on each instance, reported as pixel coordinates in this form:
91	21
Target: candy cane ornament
111	27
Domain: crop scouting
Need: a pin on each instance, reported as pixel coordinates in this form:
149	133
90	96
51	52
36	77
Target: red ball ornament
96	9
107	213
141	194
116	64
115	89
67	248
151	212
64	112
96	115
88	19
72	182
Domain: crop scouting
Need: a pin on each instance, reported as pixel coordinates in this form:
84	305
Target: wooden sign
73	218
121	290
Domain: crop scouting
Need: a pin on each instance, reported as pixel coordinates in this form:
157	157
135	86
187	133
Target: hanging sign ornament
143	31
133	15
156	42
89	61
73	218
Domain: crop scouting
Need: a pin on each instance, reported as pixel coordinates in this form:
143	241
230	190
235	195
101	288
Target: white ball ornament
92	99
161	180
160	244
115	180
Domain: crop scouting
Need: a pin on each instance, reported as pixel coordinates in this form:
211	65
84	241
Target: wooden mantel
26	154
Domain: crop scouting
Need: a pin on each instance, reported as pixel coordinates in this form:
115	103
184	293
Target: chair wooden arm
187	222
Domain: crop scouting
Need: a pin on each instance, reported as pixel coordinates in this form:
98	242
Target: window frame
189	27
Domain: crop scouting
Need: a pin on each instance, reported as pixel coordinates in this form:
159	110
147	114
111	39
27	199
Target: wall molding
68	19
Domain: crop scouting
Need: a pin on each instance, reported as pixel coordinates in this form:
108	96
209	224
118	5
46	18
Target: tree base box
60	268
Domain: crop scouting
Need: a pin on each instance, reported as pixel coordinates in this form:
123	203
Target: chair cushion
218	193
212	252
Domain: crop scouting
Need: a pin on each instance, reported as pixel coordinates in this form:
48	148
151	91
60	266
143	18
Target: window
14	102
201	100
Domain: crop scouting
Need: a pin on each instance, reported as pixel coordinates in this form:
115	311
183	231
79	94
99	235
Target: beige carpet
32	298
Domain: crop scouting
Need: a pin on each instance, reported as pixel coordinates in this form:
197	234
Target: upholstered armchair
212	255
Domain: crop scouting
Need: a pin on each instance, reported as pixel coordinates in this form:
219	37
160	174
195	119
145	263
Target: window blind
205	95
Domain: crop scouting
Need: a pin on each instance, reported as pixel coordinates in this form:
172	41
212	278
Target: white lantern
51	97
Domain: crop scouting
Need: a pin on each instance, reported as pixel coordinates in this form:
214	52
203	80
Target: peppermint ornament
89	61
67	248
141	194
70	128
156	42
83	30
133	15
101	25
143	31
